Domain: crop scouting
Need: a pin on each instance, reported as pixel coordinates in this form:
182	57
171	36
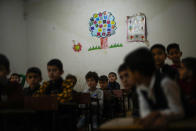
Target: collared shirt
30	91
169	71
98	93
114	86
172	94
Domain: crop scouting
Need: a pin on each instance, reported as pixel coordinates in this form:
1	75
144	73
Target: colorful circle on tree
102	24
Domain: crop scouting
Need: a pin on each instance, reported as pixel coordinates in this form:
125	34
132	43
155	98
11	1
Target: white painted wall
12	34
53	24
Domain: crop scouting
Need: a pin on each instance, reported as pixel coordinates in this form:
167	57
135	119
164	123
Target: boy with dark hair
159	54
159	98
4	70
15	78
128	84
108	97
55	69
95	93
124	76
188	83
174	54
56	86
103	82
71	78
33	78
8	91
92	81
188	68
92	75
113	85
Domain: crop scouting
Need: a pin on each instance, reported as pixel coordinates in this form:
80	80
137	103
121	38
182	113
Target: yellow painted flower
99	30
112	22
95	15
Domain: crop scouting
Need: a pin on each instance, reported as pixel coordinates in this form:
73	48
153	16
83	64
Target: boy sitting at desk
56	86
158	96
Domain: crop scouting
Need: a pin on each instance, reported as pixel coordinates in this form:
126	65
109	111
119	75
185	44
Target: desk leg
54	121
5	125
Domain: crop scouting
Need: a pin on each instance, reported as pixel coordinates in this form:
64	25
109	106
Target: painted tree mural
102	25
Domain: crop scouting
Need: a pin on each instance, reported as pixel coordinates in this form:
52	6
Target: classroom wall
50	26
12	34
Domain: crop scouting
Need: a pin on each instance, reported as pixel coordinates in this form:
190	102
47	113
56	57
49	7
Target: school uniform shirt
114	86
169	71
12	93
29	91
188	90
98	93
3	86
175	66
133	102
161	95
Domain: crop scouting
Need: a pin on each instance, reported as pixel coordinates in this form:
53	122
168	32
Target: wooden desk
20	118
44	112
119	124
189	123
42	103
126	124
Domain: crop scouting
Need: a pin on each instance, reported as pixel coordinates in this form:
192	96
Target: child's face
184	72
33	79
112	78
126	80
91	83
15	78
54	73
175	55
159	57
103	84
134	77
3	72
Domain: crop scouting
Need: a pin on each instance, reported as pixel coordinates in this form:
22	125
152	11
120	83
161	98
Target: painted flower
77	47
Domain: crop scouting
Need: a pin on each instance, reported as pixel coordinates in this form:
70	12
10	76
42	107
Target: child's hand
160	122
148	120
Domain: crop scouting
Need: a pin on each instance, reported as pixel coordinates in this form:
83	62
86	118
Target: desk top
43	103
120	124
